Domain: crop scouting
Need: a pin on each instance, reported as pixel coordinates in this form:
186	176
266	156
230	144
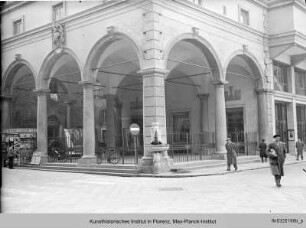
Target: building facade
200	70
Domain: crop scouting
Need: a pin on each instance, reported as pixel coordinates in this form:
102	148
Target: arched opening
243	77
118	101
189	97
19	110
64	109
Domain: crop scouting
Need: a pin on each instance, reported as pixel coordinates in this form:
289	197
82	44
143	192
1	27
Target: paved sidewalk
221	170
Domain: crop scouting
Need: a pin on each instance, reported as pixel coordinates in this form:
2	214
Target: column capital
152	71
203	96
263	90
88	83
219	82
41	91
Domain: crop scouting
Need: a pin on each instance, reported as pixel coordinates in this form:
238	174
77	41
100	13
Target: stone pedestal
86	160
156	161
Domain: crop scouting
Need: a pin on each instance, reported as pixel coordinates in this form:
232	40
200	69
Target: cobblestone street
30	191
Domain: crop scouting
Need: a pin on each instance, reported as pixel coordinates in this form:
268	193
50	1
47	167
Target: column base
87	160
156	164
43	159
219	156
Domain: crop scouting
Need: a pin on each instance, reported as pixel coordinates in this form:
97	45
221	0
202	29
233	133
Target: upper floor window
300	82
18	26
280	73
58	11
244	17
199	2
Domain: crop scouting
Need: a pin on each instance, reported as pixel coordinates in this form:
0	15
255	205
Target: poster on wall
291	135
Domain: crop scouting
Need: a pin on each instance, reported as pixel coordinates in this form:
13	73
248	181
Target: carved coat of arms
58	36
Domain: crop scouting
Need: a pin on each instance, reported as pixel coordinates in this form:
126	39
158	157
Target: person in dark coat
231	149
299	149
262	151
277	154
10	155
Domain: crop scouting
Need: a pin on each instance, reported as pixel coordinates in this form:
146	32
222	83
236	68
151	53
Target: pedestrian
231	149
277	154
262	151
299	149
10	155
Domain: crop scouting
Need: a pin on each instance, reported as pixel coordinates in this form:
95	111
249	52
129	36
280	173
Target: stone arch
203	45
11	70
49	62
100	46
254	63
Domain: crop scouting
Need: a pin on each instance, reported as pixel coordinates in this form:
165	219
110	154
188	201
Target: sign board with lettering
36	157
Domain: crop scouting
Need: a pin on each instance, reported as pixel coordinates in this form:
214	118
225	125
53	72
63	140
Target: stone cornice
262	3
215	17
279	4
10	6
46	29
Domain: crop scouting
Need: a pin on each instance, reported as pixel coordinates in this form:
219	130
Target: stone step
212	163
80	169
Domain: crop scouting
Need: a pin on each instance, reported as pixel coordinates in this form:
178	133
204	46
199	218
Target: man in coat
262	151
299	149
10	155
277	154
231	149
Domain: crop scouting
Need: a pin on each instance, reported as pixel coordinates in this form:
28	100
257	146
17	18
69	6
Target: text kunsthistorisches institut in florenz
77	74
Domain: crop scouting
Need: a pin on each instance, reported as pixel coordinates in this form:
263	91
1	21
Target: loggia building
81	72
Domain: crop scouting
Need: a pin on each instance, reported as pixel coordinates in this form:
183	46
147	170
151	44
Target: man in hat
299	149
277	154
231	149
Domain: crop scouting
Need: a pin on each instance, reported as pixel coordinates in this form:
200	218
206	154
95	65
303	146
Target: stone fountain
156	159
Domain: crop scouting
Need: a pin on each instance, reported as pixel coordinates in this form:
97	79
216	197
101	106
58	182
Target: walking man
262	148
10	155
277	154
231	149
299	148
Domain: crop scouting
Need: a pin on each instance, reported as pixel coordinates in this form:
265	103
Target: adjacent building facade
200	70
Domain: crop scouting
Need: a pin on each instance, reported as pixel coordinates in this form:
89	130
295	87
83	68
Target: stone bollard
157	162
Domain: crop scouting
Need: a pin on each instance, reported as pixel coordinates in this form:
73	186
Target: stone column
42	124
68	113
154	111
110	119
204	128
220	121
264	129
6	112
89	156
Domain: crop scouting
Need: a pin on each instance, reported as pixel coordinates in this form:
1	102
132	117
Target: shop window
58	11
18	26
300	82
280	73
